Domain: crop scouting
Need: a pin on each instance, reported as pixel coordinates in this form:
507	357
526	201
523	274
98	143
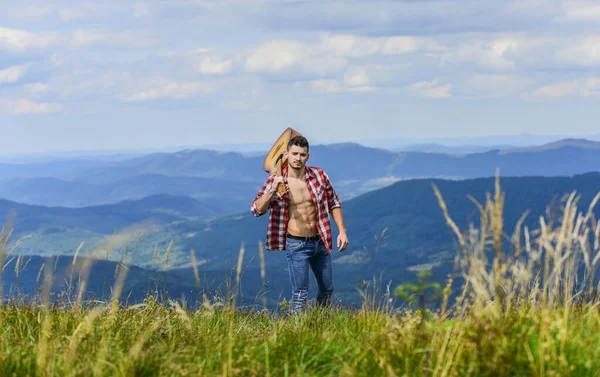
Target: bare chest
299	193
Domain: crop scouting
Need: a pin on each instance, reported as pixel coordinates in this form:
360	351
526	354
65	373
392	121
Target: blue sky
98	75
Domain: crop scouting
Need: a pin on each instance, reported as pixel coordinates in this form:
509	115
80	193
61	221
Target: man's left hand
342	241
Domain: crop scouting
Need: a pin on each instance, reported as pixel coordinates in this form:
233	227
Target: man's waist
303	238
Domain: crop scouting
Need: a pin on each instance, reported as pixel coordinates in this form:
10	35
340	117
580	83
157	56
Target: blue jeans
300	255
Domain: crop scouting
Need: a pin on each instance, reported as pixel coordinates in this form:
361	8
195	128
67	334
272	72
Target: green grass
528	307
153	339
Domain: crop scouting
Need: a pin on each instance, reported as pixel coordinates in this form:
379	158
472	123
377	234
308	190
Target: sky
124	75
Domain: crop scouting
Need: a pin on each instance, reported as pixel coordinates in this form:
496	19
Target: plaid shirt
323	196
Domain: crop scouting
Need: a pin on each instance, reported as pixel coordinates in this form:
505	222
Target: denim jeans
300	255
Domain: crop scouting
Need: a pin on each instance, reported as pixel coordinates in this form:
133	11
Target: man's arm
342	239
335	208
261	203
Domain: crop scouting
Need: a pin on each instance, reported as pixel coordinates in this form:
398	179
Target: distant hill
416	228
160	209
50	191
417	235
565	143
232	179
355	166
47	169
230	195
524	139
190	163
450	149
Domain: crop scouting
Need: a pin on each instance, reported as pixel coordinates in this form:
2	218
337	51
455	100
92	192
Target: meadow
527	305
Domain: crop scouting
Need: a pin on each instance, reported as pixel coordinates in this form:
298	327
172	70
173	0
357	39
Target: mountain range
394	231
228	180
158	210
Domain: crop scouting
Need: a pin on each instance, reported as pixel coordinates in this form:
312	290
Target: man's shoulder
315	169
317	173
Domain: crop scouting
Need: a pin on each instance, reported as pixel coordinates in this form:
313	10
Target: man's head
297	152
299	141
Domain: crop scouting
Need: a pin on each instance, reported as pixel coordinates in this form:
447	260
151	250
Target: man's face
297	157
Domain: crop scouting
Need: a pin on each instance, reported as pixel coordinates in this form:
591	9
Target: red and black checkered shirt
323	195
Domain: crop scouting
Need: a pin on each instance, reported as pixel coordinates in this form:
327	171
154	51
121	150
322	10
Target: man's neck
297	173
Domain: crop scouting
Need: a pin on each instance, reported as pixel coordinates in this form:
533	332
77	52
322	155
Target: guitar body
274	161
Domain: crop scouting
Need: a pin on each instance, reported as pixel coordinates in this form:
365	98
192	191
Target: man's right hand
276	181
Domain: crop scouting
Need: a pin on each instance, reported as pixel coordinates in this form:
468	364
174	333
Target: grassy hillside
525	312
152	340
394	233
416	231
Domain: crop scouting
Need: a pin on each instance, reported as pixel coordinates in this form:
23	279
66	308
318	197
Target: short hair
299	141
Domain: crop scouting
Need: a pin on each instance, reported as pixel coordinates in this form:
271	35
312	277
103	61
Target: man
299	222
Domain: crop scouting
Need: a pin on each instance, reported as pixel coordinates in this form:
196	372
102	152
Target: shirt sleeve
265	187
333	200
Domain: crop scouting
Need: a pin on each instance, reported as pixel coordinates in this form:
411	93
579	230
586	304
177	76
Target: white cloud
358	46
581	11
332	86
431	89
26	106
585	52
91	38
496	54
39	13
30	14
496	85
36	88
141	10
212	65
275	56
292	56
238	105
591	86
13	74
84	38
331	52
68	15
356	77
535	8
20	40
582	87
153	89
348	46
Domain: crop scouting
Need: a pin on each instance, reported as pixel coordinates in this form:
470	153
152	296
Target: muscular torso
302	211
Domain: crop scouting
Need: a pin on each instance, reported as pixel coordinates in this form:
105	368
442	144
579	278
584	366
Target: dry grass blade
195	268
449	220
120	282
238	274
116	240
47	283
167	254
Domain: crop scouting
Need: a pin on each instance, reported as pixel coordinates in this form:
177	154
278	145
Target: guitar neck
282	188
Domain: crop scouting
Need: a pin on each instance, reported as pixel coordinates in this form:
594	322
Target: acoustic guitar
275	162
